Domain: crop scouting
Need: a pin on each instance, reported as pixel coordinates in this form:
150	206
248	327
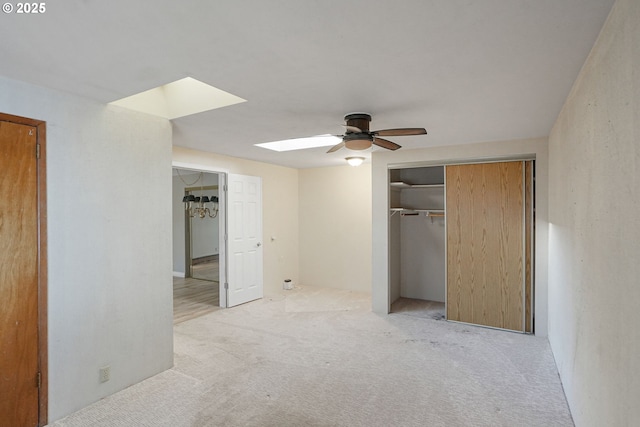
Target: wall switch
105	374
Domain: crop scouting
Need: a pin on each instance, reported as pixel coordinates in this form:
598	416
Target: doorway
23	272
198	243
240	274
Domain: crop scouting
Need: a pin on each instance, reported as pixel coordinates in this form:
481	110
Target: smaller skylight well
301	143
178	99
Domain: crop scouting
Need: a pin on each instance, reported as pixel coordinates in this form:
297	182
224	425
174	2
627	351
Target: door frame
466	161
222	215
43	349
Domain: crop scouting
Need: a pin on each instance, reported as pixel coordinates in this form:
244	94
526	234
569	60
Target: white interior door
244	239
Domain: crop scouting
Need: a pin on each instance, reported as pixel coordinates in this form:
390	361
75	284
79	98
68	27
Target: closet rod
413	212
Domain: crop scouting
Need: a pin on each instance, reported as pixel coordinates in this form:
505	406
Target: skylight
301	143
178	99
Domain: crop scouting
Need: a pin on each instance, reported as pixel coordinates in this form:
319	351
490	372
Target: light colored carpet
319	357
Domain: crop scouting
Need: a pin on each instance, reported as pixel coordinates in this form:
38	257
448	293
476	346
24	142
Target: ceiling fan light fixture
358	141
355	161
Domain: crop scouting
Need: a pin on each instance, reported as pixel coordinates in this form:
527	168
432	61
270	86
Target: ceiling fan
358	136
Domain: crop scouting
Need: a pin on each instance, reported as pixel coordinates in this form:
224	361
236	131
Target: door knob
259	244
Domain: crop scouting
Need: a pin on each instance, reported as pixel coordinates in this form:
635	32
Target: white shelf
399	184
402	185
426	186
430	211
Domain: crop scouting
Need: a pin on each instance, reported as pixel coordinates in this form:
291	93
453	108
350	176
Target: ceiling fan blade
352	129
336	147
385	144
400	132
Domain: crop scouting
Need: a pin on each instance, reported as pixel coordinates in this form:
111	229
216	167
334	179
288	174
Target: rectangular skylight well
301	143
178	99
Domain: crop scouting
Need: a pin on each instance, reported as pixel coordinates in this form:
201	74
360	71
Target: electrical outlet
105	374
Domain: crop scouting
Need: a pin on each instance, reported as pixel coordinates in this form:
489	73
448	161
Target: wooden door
485	244
20	372
245	239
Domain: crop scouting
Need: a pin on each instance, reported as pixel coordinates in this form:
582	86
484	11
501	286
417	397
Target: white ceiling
466	70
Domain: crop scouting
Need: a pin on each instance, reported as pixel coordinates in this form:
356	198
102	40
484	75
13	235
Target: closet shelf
427	186
402	185
399	184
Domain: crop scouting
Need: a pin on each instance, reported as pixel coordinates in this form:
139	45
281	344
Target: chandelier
199	206
196	206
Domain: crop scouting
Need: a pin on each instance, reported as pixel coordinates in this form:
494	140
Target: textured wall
594	234
110	293
423	253
335	227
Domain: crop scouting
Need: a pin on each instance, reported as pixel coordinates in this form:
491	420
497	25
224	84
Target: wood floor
419	308
207	270
193	297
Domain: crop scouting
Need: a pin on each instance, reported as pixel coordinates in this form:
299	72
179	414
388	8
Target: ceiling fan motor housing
358	140
359	120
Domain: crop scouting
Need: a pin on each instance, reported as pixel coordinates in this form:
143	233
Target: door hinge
225	237
224	187
37	151
226	285
38	380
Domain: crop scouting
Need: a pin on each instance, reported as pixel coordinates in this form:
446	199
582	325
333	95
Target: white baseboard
178	274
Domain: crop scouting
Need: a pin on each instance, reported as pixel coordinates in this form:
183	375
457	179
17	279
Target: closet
462	236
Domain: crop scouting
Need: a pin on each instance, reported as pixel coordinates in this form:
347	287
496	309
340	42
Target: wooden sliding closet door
485	244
